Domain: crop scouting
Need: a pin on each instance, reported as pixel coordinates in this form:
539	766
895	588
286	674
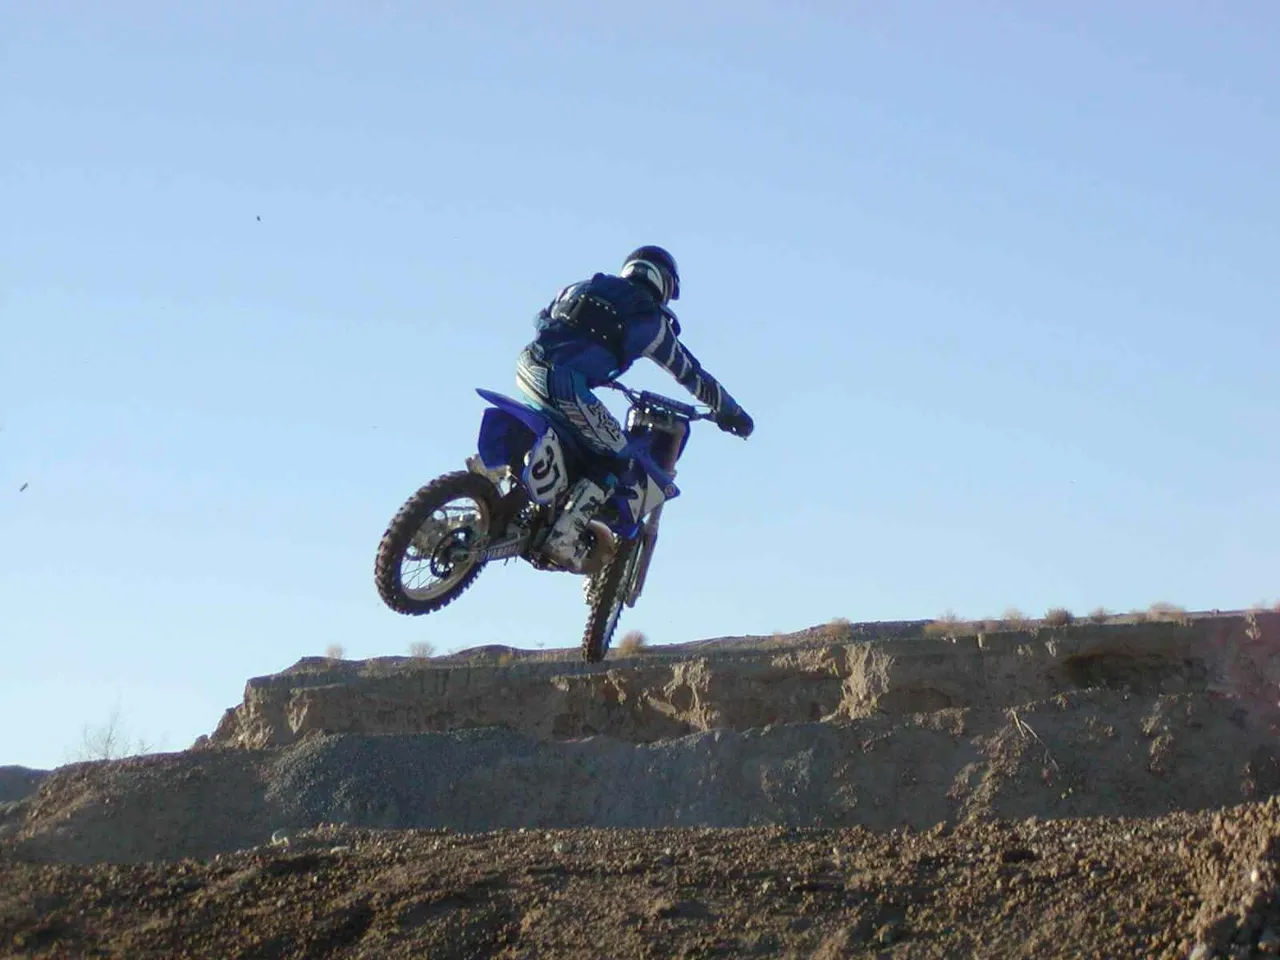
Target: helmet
655	267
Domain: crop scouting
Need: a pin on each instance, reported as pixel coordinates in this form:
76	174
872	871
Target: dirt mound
862	790
1182	885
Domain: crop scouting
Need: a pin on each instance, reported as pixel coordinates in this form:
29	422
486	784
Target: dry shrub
109	741
505	659
947	625
335	651
1163	611
633	643
421	649
1058	617
837	628
1014	619
1100	615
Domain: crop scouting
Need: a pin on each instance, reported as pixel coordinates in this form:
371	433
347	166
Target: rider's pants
566	392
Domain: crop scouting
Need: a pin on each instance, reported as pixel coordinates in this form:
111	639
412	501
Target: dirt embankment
671	692
1097	790
1138	720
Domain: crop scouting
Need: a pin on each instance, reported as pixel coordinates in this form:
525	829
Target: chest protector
597	318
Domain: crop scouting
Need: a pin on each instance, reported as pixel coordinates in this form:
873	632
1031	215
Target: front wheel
606	592
428	556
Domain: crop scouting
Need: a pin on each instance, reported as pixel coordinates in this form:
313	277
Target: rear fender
507	428
510	426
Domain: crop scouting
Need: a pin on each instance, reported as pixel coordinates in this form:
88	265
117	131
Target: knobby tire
605	591
395	541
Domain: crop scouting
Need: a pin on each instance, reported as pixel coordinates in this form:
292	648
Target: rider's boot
567	543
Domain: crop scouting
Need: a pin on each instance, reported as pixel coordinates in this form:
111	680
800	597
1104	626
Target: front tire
606	592
430	530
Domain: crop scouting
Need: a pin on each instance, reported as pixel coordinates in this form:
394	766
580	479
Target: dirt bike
503	506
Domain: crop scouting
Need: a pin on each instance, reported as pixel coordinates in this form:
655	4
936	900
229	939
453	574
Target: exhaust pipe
604	547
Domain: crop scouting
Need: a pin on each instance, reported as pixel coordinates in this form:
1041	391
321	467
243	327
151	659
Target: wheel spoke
427	569
433	548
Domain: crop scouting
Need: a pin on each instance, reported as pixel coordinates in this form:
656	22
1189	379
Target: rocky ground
1183	885
1090	791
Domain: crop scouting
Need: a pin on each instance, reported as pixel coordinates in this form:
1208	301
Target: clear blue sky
999	286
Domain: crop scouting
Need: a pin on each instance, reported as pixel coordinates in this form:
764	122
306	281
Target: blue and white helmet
657	268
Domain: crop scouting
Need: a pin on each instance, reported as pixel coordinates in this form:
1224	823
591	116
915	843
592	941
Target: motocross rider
590	334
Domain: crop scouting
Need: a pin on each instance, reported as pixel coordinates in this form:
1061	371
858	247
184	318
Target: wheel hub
452	548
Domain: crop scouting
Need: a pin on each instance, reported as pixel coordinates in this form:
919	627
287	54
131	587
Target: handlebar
646	398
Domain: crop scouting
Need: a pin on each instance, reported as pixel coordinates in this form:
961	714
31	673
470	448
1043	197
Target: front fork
649	534
648	540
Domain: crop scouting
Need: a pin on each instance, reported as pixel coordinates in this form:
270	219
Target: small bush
1167	612
335	651
505	659
947	625
422	650
836	629
1014	619
108	741
1100	615
633	643
1058	617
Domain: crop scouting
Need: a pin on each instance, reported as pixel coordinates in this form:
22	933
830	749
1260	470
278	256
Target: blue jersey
602	326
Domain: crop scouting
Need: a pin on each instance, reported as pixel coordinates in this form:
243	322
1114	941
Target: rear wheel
606	592
426	558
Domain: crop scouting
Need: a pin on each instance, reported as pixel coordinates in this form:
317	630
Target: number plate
545	476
